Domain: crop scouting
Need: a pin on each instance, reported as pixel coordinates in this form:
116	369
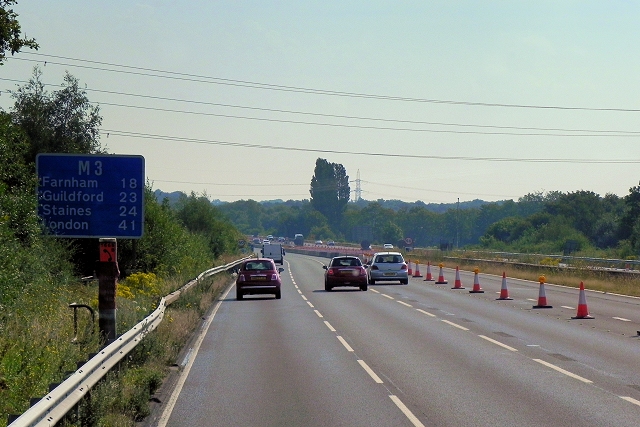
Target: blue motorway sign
90	195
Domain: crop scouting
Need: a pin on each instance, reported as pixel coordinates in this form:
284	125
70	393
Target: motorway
411	355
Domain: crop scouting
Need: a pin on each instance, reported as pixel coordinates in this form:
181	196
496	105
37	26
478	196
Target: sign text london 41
83	195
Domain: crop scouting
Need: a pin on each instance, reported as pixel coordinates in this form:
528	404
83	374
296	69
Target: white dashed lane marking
455	325
622	319
372	374
497	343
331	328
562	371
414	420
345	343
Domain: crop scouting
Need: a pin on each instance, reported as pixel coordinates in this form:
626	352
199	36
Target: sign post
108	273
94	196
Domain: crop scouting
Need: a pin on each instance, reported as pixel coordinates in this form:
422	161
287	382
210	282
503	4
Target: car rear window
346	262
391	259
258	265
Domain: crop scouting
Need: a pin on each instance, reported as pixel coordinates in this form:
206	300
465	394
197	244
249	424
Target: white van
275	251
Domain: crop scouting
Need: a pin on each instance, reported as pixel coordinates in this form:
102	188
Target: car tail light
241	278
274	277
404	267
331	272
363	272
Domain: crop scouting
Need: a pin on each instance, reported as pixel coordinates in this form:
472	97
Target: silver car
388	266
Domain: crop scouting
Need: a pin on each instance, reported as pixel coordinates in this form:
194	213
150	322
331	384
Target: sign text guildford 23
82	195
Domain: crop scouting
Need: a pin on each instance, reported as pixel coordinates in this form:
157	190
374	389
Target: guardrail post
108	273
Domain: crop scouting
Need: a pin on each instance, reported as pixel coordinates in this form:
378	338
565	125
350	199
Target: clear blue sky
233	66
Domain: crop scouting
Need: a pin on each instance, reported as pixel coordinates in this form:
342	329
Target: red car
345	271
258	276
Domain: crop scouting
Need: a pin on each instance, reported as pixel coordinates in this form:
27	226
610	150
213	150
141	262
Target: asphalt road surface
411	355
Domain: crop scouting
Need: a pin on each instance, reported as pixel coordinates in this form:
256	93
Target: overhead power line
342	125
151	72
526	131
127	134
434	191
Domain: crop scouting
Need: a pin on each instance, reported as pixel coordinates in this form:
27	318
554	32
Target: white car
387	246
388	266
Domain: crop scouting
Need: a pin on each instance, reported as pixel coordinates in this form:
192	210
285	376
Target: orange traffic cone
476	283
542	297
428	277
458	283
583	311
441	280
410	272
504	292
417	272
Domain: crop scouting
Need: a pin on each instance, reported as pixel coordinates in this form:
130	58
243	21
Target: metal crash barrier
55	405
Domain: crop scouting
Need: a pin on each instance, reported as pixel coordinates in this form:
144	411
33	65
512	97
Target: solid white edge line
498	343
372	374
414	420
425	312
455	325
344	343
318	313
331	328
562	371
405	304
630	400
182	376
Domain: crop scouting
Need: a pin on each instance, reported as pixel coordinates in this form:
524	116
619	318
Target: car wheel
239	295
363	287
404	281
278	294
372	282
327	287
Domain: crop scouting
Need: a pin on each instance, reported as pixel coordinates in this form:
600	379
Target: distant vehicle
331	243
387	246
298	240
318	242
388	266
266	242
345	271
281	239
270	237
258	276
257	241
275	251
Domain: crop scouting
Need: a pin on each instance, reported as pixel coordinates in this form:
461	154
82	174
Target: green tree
582	209
330	190
10	32
60	122
630	220
201	217
17	181
166	247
